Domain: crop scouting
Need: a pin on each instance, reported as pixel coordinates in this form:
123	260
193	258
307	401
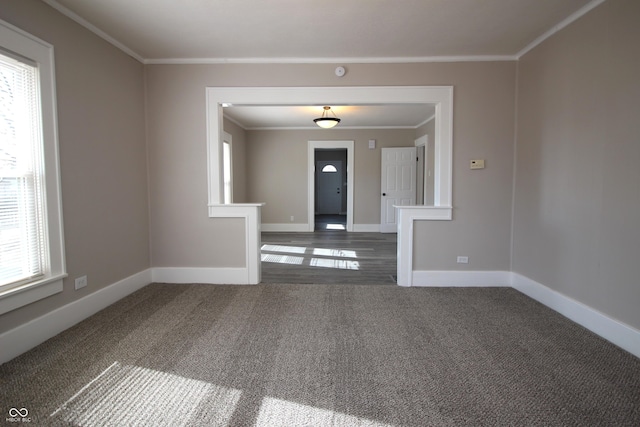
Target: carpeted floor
322	355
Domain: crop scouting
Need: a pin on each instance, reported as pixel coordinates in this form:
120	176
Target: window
329	169
31	249
22	251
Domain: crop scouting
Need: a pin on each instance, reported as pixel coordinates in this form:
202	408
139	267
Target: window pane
22	242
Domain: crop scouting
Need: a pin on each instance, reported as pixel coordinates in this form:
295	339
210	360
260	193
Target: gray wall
484	97
577	203
483	128
239	159
277	170
103	158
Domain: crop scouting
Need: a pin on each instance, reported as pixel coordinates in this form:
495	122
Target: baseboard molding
216	276
26	336
366	228
285	228
432	278
304	228
614	331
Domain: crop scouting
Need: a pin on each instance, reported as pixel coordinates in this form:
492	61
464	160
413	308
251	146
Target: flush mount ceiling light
325	121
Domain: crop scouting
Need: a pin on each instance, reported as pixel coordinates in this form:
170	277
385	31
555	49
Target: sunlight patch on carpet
131	395
277	412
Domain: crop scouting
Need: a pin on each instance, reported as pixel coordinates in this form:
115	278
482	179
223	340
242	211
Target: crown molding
344	60
97	31
562	24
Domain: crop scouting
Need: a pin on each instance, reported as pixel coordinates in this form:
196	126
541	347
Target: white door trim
311	150
440	96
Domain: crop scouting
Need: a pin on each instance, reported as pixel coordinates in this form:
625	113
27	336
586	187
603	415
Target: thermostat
477	164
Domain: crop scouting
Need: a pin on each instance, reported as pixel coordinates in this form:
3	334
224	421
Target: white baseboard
434	278
304	228
366	228
216	276
26	336
614	331
285	228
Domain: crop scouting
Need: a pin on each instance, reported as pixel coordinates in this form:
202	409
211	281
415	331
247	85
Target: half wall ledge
406	216
251	213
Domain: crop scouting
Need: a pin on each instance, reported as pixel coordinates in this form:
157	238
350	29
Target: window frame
18	42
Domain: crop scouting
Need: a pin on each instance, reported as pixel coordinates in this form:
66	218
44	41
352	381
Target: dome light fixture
326	121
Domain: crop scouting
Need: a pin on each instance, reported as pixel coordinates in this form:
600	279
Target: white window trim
23	43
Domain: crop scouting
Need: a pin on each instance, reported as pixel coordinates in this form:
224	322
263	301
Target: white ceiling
310	31
351	116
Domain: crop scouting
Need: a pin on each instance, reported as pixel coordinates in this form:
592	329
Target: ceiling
409	116
314	31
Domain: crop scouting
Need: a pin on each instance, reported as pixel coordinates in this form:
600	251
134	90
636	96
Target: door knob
384	194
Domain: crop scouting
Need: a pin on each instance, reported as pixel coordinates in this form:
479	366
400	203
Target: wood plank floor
329	257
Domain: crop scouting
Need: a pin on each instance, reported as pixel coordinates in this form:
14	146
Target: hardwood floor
329	257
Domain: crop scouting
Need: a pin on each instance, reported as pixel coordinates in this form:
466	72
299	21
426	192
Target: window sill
30	292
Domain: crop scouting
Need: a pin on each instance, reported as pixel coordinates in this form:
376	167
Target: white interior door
329	187
398	186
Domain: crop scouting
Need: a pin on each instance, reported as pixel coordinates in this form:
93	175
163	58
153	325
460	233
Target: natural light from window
312	257
287	249
335	227
131	395
127	395
278	412
282	259
341	253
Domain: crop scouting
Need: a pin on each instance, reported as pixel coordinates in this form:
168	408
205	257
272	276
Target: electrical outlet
292	218
81	282
463	260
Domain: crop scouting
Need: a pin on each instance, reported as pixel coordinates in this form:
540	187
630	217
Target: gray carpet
310	355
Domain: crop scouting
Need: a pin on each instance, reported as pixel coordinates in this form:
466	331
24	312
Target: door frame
311	165
423	172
